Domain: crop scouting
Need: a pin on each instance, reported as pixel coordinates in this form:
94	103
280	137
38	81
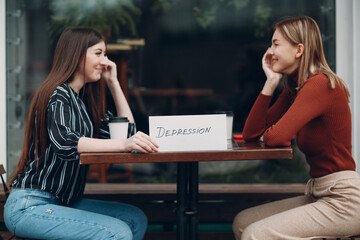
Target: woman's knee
248	233
137	222
116	230
240	223
243	219
139	215
124	233
267	229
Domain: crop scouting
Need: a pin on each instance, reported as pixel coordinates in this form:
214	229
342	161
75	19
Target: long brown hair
304	30
70	51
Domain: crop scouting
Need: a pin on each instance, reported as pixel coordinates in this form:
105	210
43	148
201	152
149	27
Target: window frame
3	96
348	61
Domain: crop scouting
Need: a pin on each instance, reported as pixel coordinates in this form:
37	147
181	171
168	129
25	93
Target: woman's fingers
110	71
142	142
267	66
149	139
266	63
145	142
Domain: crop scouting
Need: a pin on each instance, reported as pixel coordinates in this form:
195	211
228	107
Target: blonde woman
314	108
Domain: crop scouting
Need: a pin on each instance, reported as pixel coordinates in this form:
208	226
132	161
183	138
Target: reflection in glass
196	57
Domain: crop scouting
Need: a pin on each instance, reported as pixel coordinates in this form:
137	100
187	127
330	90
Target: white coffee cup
118	127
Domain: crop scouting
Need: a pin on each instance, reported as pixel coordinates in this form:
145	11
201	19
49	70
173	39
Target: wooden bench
218	203
224	200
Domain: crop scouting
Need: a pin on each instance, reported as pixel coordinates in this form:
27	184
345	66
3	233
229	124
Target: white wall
2	84
348	61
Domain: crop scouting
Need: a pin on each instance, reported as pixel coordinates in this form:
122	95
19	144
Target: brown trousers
330	208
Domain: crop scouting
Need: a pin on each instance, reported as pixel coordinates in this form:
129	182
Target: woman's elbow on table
276	141
251	137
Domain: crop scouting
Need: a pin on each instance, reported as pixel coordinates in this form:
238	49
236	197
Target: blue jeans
36	214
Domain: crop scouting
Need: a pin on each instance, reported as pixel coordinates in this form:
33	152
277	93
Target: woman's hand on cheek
110	73
266	65
141	142
272	78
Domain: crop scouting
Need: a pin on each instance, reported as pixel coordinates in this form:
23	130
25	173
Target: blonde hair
304	30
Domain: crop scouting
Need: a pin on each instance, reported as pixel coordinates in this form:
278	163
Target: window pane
199	57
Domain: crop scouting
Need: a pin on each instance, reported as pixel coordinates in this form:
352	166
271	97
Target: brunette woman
314	107
66	117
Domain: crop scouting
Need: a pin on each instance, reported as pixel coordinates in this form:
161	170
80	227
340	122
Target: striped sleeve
63	137
132	129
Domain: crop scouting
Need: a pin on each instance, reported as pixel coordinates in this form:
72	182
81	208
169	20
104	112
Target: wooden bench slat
151	188
119	191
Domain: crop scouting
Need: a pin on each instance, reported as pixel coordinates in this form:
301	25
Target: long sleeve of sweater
261	117
319	116
280	123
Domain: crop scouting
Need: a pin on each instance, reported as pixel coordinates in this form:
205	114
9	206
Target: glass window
189	57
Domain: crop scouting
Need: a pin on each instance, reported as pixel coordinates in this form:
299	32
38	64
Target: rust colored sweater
319	116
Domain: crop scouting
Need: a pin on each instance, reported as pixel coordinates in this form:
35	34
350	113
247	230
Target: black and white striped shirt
60	173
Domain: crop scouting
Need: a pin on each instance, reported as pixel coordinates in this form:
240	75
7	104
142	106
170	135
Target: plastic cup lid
118	119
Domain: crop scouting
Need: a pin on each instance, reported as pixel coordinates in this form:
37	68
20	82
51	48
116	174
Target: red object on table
238	138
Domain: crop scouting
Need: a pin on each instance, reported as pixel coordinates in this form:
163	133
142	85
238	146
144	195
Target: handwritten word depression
163	132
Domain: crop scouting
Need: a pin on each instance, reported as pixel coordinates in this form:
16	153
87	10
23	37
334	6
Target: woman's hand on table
141	142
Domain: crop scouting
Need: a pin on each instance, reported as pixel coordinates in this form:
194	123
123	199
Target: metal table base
187	200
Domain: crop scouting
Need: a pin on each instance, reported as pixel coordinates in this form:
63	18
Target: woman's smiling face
95	62
284	55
